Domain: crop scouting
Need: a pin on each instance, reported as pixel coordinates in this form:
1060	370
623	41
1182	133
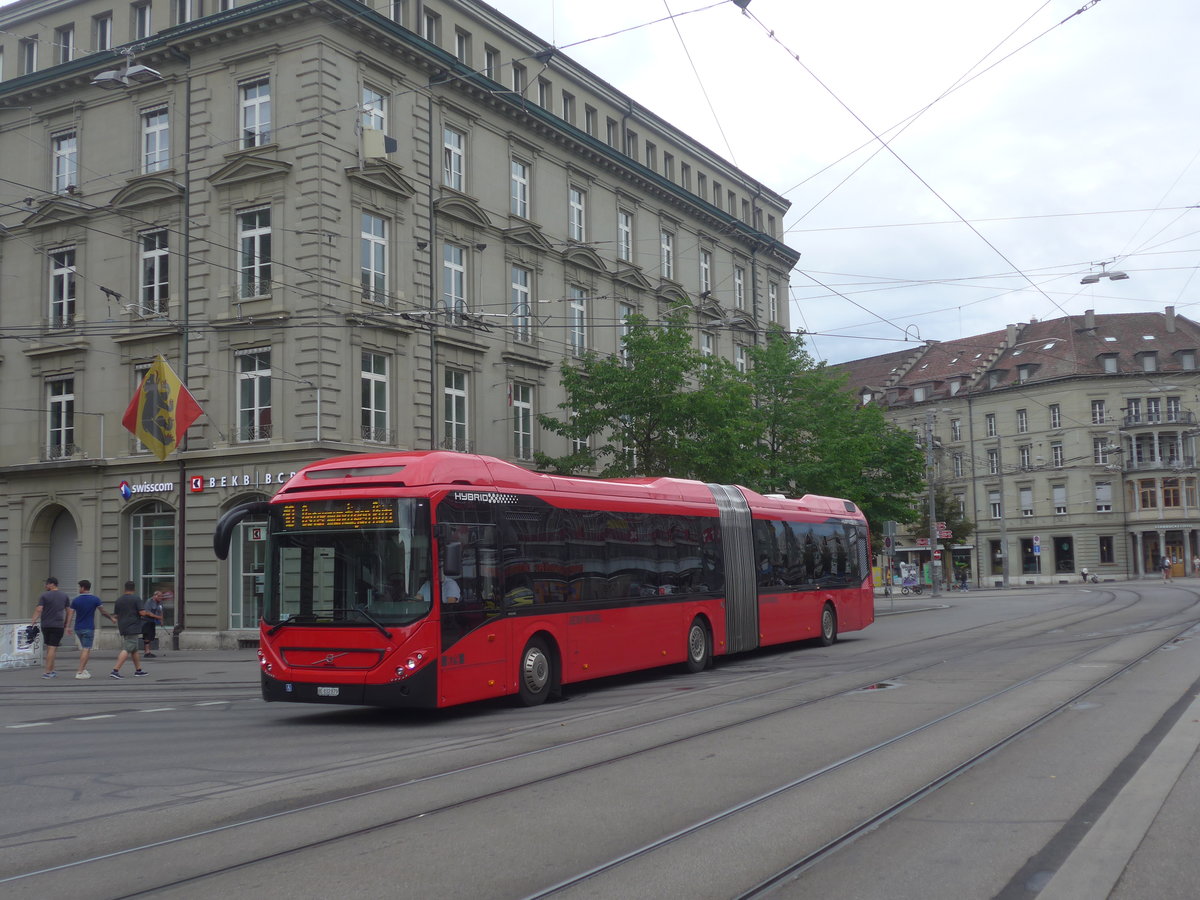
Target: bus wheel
699	647
536	676
828	625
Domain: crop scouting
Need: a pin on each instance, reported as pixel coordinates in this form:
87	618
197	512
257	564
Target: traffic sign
937	554
945	534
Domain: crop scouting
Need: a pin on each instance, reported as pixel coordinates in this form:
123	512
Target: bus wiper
291	620
366	615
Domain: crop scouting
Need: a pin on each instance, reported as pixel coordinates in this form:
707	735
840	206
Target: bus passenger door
474	657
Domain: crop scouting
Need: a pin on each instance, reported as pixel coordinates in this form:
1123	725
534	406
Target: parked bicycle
911	587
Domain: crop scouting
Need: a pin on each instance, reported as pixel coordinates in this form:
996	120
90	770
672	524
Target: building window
590	119
60	420
956	429
491	62
254	253
576	214
631	144
705	271
1149	362
708	344
431	27
156	140
1107	549
990	424
1027	501
1103	496
666	243
544	93
742	361
568	108
62	287
958	465
994	504
373	261
519	79
374	109
1099	417
184	11
918	394
773	301
612	130
27	54
1057	459
454	411
1153	410
1147	494
1171	498
1022	421
577	321
1024	373
141	21
702	185
739	287
625	313
374	419
993	462
1100	451
462	46
152	540
255	112
66	162
1059	492
247	574
519	193
454	281
1055	416
1187	359
254	395
1110	362
153	289
1025	452
685	176
1133	411
64	44
624	235
521	312
522	421
454	144
731	197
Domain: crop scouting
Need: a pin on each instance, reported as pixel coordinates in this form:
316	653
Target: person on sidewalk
85	606
53	614
130	610
153	618
1164	563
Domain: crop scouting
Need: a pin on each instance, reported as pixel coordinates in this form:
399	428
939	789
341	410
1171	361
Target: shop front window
247	574
152	541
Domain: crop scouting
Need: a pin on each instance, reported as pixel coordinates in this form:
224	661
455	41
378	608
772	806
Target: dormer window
919	394
1149	362
1109	362
996	378
1187	359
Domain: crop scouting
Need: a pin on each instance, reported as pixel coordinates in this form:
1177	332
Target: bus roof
444	468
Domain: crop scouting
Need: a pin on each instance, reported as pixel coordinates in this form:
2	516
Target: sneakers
84	674
148	655
49	674
115	674
140	673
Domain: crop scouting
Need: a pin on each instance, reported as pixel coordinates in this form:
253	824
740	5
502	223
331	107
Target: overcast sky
1079	144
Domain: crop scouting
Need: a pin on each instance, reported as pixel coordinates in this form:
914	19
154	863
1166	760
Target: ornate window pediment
585	257
241	169
147	190
462	208
634	278
56	211
385	176
529	236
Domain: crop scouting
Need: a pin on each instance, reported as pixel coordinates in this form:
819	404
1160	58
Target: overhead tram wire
700	82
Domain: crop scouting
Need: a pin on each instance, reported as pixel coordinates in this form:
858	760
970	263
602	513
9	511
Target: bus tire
536	680
699	646
828	626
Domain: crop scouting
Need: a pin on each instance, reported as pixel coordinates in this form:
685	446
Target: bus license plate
327	691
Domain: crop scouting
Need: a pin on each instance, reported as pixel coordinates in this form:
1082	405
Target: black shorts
52	637
148	630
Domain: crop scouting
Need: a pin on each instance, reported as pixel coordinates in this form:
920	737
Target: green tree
947	511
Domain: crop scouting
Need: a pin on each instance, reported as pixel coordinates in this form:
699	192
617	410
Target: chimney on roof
1089	319
1170	320
1011	337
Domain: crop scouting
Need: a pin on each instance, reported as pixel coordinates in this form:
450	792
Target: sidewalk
209	666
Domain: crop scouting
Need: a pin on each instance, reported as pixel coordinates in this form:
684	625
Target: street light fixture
1095	277
115	79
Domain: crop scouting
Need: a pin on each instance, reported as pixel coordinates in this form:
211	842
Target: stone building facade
1070	443
348	229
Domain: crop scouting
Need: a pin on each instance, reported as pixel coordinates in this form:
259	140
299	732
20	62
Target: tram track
1038	625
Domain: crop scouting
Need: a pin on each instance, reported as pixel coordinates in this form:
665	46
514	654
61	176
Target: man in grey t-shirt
130	610
53	615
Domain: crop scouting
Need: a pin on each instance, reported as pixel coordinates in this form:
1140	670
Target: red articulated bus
431	578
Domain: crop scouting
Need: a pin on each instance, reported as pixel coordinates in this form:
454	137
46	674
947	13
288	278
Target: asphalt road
1011	744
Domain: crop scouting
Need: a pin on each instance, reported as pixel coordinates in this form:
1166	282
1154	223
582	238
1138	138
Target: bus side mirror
452	562
223	533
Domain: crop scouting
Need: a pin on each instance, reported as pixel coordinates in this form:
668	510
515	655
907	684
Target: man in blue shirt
85	606
52	614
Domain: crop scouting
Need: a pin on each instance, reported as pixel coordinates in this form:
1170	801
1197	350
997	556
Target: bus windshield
349	562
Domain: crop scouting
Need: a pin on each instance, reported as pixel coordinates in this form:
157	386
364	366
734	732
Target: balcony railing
1146	463
1170	417
377	435
252	433
55	452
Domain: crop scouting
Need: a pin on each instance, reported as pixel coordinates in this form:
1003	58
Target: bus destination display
339	514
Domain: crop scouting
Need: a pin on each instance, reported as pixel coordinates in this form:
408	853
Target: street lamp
115	79
1095	277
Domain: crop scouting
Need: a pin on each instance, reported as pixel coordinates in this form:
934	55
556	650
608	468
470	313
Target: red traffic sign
937	554
945	534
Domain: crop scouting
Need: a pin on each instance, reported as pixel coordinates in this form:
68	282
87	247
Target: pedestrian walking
153	617
85	606
1164	563
53	616
130	610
